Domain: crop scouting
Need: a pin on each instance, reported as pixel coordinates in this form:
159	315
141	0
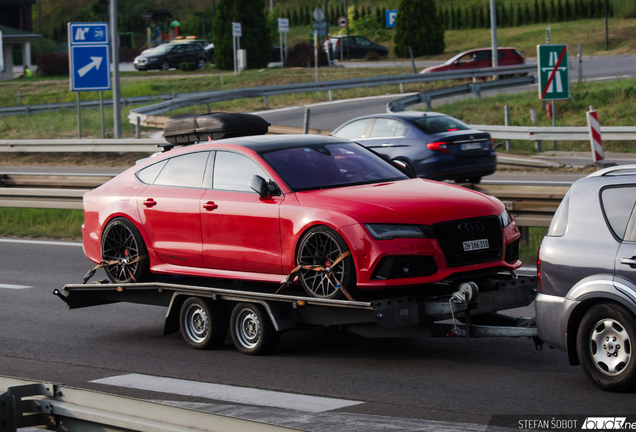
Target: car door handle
629	261
209	206
150	203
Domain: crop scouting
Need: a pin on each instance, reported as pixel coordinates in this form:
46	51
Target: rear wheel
124	250
322	246
604	346
252	331
203	323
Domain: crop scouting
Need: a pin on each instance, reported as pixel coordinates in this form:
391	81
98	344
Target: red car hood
413	201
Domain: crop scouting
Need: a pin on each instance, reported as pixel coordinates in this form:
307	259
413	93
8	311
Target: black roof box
192	128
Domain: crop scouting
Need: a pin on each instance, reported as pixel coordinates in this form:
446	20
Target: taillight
438	146
539	268
492	143
338	42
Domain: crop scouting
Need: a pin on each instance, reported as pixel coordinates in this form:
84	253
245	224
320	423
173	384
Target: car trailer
256	316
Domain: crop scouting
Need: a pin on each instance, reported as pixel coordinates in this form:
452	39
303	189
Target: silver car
587	278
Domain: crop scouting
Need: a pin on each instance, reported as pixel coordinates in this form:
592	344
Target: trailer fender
276	313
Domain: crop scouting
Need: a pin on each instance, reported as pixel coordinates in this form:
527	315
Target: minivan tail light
492	143
438	146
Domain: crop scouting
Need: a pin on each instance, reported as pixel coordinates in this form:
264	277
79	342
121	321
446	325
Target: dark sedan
357	46
171	55
427	144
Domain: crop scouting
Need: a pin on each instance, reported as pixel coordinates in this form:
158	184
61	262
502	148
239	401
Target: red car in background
254	208
478	59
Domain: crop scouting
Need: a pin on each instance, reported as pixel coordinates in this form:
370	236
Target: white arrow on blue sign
89	56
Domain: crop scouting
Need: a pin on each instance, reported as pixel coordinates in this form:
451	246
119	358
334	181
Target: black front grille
452	235
400	267
512	252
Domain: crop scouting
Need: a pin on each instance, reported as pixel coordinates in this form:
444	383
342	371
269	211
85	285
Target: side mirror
260	186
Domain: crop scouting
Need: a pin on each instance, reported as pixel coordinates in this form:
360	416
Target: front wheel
201	63
604	346
165	65
203	323
322	246
252	331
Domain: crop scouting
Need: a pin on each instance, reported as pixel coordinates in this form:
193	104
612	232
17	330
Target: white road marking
9	286
40	242
227	393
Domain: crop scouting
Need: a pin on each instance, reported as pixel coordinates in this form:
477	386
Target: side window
501	54
618	203
484	55
184	171
363	41
233	172
355	130
149	174
190	49
384	127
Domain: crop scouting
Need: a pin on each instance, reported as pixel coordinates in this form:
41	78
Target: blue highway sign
89	56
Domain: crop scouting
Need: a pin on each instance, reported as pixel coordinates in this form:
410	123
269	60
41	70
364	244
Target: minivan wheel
604	346
165	65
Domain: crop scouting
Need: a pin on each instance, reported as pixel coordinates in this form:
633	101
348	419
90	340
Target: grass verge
41	223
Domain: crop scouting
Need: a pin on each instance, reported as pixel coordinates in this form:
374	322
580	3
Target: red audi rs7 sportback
254	208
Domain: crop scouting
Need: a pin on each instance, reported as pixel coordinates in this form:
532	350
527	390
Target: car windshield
452	60
330	165
162	49
437	124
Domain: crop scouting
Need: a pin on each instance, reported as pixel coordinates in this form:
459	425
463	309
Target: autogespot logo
607	423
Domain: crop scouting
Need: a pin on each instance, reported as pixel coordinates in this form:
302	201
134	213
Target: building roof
10	34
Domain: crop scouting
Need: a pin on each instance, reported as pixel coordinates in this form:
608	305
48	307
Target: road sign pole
79	117
282	58
114	37
554	121
101	112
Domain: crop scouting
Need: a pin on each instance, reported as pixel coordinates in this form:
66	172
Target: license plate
470	146
475	245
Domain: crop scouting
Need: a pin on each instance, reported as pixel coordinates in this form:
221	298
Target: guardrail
259	91
531	205
220	96
25	403
477	87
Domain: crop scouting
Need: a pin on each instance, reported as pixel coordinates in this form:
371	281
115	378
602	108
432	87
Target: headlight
391	231
505	218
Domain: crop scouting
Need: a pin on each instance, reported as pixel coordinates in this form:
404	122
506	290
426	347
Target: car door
618	206
169	208
177	55
363	46
241	231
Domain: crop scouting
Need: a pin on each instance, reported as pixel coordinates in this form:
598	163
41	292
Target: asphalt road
401	384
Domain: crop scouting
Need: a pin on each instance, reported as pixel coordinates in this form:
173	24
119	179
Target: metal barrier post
412	60
580	55
330	96
507	123
306	122
138	127
265	101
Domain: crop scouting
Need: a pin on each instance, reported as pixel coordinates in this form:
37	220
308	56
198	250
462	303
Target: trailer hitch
61	296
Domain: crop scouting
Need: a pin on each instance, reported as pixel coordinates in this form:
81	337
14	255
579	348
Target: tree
568	11
560	11
251	15
591	10
544	12
417	26
536	15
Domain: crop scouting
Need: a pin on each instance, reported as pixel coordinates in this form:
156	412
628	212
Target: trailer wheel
252	331
203	323
122	243
604	346
322	246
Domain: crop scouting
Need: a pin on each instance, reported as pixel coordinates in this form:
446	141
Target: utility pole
493	33
114	37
